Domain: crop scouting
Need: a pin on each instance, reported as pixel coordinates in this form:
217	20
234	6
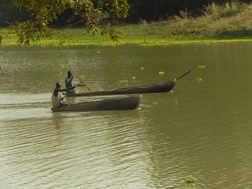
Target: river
197	136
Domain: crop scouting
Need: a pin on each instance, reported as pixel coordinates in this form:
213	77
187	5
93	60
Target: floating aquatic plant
154	103
199	79
133	78
82	76
190	181
142	68
202	66
161	73
123	81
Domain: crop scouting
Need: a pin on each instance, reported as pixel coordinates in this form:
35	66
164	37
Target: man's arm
68	81
67	89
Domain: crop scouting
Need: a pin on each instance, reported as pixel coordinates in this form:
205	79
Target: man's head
58	85
69	73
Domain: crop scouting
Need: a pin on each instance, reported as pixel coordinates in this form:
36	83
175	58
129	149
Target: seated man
57	97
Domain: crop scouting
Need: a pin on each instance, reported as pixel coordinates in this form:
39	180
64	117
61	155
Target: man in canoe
70	84
57	97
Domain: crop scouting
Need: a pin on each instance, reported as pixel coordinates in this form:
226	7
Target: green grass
229	23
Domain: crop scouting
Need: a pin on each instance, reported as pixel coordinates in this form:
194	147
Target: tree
155	10
45	12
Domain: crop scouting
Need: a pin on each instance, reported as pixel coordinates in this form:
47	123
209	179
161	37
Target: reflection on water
57	120
200	132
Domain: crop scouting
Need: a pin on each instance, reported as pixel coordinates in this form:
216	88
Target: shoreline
150	43
65	38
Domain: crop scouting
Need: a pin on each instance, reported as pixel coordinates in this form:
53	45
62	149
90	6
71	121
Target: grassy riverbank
228	23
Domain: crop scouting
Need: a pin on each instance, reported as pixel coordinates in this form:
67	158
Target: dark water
197	136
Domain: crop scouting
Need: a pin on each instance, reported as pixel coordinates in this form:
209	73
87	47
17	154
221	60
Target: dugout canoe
154	88
122	103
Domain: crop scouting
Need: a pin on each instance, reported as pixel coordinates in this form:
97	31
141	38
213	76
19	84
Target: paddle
183	75
77	76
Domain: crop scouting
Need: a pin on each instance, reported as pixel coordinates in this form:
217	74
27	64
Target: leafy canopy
45	12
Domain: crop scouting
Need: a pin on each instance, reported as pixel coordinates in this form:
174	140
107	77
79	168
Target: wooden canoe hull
154	88
123	103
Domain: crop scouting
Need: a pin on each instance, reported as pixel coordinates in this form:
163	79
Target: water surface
200	132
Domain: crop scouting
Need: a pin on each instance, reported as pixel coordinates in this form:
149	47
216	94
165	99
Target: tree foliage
33	19
45	12
155	10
